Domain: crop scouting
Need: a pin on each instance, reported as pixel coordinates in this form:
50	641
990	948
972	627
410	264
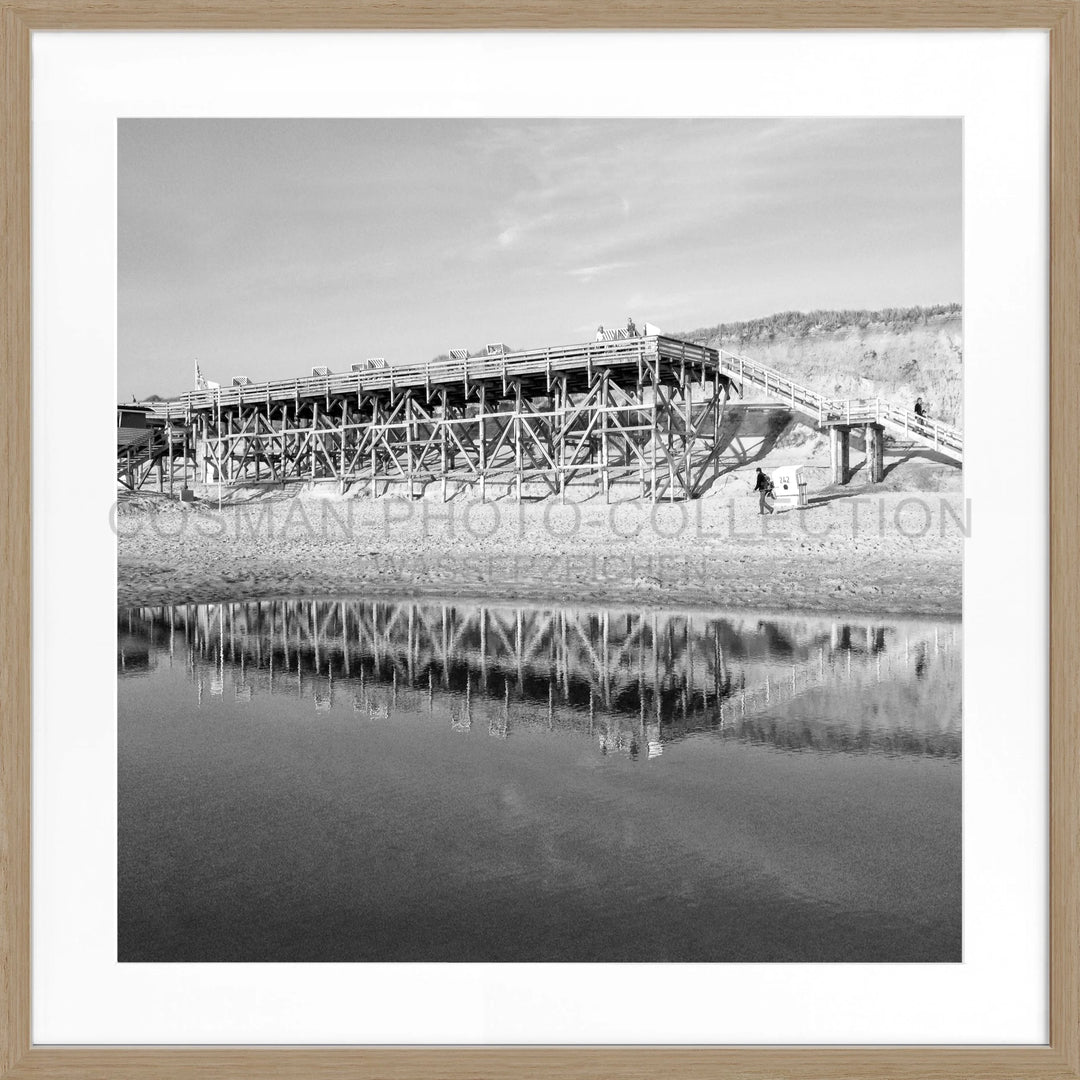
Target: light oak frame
20	1059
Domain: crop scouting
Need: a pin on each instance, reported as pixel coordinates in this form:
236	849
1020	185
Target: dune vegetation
897	354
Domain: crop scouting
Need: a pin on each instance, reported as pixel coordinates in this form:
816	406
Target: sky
265	247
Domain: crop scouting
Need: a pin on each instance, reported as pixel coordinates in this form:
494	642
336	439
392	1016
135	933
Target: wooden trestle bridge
626	677
638	411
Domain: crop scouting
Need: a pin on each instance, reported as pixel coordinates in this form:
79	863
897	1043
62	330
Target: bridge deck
533	367
643	410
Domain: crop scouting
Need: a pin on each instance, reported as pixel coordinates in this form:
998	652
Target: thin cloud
515	230
273	245
509	236
585	274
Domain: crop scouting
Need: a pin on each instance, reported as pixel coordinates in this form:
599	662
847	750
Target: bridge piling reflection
625	678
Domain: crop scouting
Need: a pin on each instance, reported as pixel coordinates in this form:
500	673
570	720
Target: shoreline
903	559
129	596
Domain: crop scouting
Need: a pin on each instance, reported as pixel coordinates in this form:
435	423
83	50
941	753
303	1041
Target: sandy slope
896	363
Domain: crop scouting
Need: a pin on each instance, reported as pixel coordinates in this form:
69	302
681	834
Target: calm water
356	780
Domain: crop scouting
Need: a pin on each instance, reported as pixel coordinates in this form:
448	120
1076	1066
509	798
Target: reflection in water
631	680
379	780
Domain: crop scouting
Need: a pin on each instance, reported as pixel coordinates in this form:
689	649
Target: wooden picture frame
19	1058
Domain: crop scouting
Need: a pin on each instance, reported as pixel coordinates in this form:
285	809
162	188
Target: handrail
849	410
874	410
529	361
543	361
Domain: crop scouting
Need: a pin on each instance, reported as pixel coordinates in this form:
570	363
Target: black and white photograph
540	540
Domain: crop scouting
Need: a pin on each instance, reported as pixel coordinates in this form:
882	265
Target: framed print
587	550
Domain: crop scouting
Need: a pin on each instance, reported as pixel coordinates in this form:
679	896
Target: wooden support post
654	437
605	400
409	440
227	447
670	446
374	440
482	425
314	435
258	442
560	432
442	441
341	448
517	437
218	444
635	418
875	453
839	447
688	415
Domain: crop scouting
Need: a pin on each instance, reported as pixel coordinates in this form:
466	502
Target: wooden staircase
856	412
138	450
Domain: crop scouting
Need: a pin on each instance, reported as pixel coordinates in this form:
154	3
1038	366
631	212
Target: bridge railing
441	372
136	446
134	439
553	359
849	410
944	435
741	368
876	411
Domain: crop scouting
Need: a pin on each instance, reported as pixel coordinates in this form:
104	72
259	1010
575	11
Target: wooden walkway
641	411
849	412
537	369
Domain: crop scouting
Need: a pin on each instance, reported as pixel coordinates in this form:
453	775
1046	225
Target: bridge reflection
632	680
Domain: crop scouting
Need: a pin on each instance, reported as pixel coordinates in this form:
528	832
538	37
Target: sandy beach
856	551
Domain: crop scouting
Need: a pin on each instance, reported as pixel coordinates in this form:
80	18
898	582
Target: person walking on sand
763	487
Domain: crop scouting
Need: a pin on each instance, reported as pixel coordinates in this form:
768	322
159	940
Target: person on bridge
600	332
631	329
764	488
920	409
